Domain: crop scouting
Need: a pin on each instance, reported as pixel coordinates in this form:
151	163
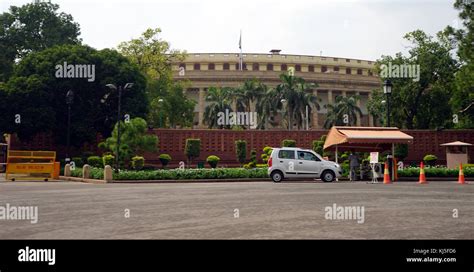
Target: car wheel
328	176
277	176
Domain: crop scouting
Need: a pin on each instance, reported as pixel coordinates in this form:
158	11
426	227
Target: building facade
334	76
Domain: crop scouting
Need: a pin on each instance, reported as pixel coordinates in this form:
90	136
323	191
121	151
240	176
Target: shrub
78	161
164	159
213	161
218	173
95	161
317	147
267	151
435	172
344	157
241	150
430	159
288	143
108	160
253	156
401	151
138	162
192	149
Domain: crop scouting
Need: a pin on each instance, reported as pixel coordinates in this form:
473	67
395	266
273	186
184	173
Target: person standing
353	164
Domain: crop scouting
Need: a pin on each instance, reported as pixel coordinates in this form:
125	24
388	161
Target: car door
286	160
308	165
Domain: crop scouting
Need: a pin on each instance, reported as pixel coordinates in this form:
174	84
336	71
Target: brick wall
221	143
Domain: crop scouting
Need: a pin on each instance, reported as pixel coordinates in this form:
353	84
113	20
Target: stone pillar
358	115
314	115
330	101
67	170
371	118
108	177
344	93
86	171
202	106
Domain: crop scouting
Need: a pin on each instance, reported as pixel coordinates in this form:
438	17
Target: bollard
108	173
67	170
86	171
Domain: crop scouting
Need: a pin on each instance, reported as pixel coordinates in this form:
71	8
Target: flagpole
241	57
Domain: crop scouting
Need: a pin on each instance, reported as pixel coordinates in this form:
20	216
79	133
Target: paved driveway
239	210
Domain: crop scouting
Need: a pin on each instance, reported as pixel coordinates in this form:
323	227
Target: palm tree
220	99
248	93
267	106
344	105
296	92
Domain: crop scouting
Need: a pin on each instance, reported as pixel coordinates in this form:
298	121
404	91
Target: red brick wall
221	143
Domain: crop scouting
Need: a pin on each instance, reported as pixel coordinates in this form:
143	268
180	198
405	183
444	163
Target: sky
360	29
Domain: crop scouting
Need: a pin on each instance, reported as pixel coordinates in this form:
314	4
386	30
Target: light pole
69	101
160	101
387	89
112	87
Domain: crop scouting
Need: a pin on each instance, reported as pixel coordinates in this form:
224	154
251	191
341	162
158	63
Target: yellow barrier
33	164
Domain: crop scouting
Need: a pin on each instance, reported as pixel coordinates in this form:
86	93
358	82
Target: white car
293	162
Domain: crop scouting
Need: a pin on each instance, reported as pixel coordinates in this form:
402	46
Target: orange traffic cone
422	174
461	175
386	175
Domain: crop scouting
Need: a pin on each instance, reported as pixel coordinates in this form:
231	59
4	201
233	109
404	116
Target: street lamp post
69	101
112	87
387	89
161	111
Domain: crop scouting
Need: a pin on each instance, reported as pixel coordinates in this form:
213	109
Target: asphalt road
266	210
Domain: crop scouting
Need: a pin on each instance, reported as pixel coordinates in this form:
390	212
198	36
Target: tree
38	96
462	99
267	107
152	54
134	139
421	104
32	28
219	101
345	107
192	149
296	92
247	94
241	151
172	109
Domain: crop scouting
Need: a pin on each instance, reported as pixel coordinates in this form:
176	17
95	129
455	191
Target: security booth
31	165
366	139
456	153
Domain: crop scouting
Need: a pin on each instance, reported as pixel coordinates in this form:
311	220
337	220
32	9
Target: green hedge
435	172
96	173
288	143
219	173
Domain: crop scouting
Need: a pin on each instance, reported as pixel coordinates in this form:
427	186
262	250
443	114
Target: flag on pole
240	40
240	56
